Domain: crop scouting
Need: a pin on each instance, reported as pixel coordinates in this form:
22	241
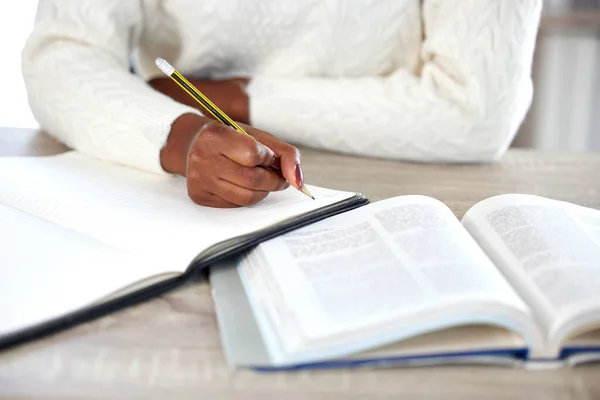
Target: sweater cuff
154	125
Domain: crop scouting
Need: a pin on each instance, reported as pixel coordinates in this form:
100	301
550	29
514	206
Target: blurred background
566	110
565	114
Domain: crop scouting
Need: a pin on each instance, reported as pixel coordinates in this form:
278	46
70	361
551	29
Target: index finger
240	148
288	156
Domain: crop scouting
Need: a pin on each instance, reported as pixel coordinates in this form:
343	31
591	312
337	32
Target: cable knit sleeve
76	70
465	103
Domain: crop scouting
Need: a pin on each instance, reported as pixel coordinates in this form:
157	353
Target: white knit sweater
430	80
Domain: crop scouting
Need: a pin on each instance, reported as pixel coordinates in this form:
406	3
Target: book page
548	249
135	210
350	278
455	340
589	220
48	271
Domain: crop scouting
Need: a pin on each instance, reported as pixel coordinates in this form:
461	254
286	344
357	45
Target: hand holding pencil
227	164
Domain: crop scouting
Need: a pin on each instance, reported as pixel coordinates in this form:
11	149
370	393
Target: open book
404	281
80	237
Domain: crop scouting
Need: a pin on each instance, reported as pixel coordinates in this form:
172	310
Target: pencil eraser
164	66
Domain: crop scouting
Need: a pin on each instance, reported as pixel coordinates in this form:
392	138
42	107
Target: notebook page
344	278
47	271
138	211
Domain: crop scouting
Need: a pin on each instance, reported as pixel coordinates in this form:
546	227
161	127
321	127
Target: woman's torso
224	38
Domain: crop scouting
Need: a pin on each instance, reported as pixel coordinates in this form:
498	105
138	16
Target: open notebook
80	237
403	281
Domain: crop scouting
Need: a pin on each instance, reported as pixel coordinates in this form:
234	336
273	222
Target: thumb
286	160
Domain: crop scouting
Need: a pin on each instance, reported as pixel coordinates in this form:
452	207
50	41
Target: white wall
16	22
566	110
565	114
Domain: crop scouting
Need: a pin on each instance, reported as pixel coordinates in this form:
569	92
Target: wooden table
169	346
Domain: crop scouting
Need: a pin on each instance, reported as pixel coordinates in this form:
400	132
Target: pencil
219	115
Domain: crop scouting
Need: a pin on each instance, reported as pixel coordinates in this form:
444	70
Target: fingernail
299	176
276	163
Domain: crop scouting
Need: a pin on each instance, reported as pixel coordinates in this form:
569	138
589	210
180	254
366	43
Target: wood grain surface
169	347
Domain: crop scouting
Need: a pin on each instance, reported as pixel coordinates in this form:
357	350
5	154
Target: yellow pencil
219	115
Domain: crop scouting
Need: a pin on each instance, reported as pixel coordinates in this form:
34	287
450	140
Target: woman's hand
229	95
225	168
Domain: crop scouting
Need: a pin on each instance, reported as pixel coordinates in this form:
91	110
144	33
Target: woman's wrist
173	156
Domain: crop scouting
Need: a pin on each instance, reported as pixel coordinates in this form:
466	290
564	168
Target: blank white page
135	210
47	271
